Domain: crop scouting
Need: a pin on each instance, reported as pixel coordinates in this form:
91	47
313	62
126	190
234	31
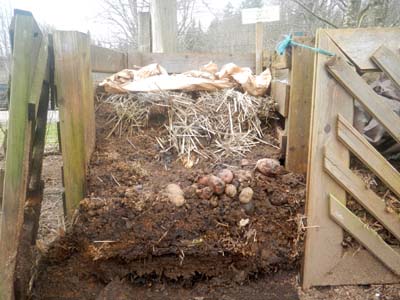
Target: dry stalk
211	125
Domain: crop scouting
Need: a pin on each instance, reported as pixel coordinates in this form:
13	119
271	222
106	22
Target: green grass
51	135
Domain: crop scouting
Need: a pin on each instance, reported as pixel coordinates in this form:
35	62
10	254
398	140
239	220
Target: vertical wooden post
259	46
164	26
76	106
298	129
144	34
28	65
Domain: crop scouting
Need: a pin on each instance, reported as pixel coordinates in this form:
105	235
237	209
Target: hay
213	125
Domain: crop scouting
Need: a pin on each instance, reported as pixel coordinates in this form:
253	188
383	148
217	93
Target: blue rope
287	42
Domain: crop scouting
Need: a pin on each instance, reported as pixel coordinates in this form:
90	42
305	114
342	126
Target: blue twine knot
288	41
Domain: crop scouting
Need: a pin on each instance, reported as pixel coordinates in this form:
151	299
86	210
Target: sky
83	15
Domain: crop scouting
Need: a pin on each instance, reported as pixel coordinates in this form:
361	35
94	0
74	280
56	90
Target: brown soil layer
128	229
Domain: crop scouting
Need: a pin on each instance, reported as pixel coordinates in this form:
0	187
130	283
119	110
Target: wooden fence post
164	26
76	109
29	61
259	46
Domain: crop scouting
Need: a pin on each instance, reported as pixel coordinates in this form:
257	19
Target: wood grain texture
259	46
283	61
360	147
366	236
359	44
323	249
280	93
105	60
164	31
359	89
361	192
27	42
389	62
70	58
299	115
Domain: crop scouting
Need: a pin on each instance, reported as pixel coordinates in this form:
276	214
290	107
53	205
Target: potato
268	166
175	194
230	190
226	175
217	184
246	195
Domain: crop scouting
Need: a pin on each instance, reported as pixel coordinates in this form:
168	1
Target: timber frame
330	180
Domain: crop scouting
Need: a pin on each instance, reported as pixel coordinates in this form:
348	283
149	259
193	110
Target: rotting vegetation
128	227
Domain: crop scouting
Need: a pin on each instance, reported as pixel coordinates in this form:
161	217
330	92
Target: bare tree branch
314	14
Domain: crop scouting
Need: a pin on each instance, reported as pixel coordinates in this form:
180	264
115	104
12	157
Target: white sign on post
269	13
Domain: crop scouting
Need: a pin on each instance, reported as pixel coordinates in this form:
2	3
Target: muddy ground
129	242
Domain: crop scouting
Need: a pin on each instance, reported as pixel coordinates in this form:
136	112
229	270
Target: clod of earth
175	194
205	193
217	184
246	195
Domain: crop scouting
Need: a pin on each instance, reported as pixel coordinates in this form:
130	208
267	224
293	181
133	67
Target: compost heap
183	186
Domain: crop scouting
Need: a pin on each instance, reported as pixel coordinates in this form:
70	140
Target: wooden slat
359	191
360	43
259	46
283	61
366	236
323	249
281	75
182	62
70	96
280	92
388	62
27	40
87	94
298	129
357	144
360	90
105	60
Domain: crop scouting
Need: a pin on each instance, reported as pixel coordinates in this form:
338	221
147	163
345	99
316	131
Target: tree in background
5	46
251	4
122	16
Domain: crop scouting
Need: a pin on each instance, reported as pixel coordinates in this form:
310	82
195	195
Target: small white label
269	13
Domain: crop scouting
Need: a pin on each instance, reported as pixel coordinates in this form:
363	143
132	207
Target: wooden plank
283	75
259	46
388	62
87	95
359	191
283	61
267	56
299	115
39	138
359	44
357	144
27	39
105	60
282	140
68	74
323	249
182	62
359	89
280	93
366	236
